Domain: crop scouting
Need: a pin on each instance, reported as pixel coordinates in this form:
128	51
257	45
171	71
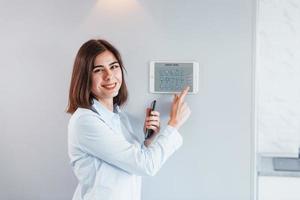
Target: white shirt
107	157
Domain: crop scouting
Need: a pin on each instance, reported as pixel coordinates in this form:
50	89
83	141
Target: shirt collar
106	114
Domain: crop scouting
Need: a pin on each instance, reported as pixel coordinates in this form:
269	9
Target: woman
106	155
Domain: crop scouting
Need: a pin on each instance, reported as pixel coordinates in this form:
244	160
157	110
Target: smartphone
149	132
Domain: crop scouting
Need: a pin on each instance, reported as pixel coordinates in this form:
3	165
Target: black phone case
149	132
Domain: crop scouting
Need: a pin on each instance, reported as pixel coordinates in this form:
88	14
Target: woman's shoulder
81	112
81	115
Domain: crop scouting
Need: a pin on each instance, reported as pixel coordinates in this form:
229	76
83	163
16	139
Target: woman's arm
97	139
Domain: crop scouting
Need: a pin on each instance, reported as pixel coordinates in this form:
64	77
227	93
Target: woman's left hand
152	121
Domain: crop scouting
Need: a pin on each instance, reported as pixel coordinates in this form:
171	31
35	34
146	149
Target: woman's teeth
109	86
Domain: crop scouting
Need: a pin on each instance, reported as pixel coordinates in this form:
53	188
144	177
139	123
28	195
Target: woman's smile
109	86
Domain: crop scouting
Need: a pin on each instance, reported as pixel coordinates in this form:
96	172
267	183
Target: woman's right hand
180	111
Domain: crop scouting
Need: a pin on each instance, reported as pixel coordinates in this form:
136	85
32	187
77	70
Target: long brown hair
80	94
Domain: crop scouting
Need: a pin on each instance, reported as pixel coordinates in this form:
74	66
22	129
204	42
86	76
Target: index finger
183	93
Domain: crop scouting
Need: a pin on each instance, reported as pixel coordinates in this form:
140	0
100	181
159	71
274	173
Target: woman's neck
107	104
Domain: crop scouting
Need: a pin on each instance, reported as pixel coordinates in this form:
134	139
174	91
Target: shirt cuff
173	133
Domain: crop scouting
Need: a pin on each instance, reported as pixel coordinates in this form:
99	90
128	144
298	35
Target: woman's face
106	77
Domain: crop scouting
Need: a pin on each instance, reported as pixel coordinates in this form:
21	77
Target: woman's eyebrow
115	62
95	66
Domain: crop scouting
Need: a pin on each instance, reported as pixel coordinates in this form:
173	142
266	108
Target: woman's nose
108	74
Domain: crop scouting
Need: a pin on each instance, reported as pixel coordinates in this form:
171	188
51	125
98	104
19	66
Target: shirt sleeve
99	140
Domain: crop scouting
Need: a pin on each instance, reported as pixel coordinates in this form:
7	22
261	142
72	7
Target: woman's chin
112	94
116	94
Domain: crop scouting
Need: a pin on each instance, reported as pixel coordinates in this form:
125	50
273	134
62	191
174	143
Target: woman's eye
98	70
114	66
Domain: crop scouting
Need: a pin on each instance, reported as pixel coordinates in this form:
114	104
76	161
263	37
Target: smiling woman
107	158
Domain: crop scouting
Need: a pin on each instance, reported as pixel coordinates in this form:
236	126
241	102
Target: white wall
278	72
278	188
39	40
